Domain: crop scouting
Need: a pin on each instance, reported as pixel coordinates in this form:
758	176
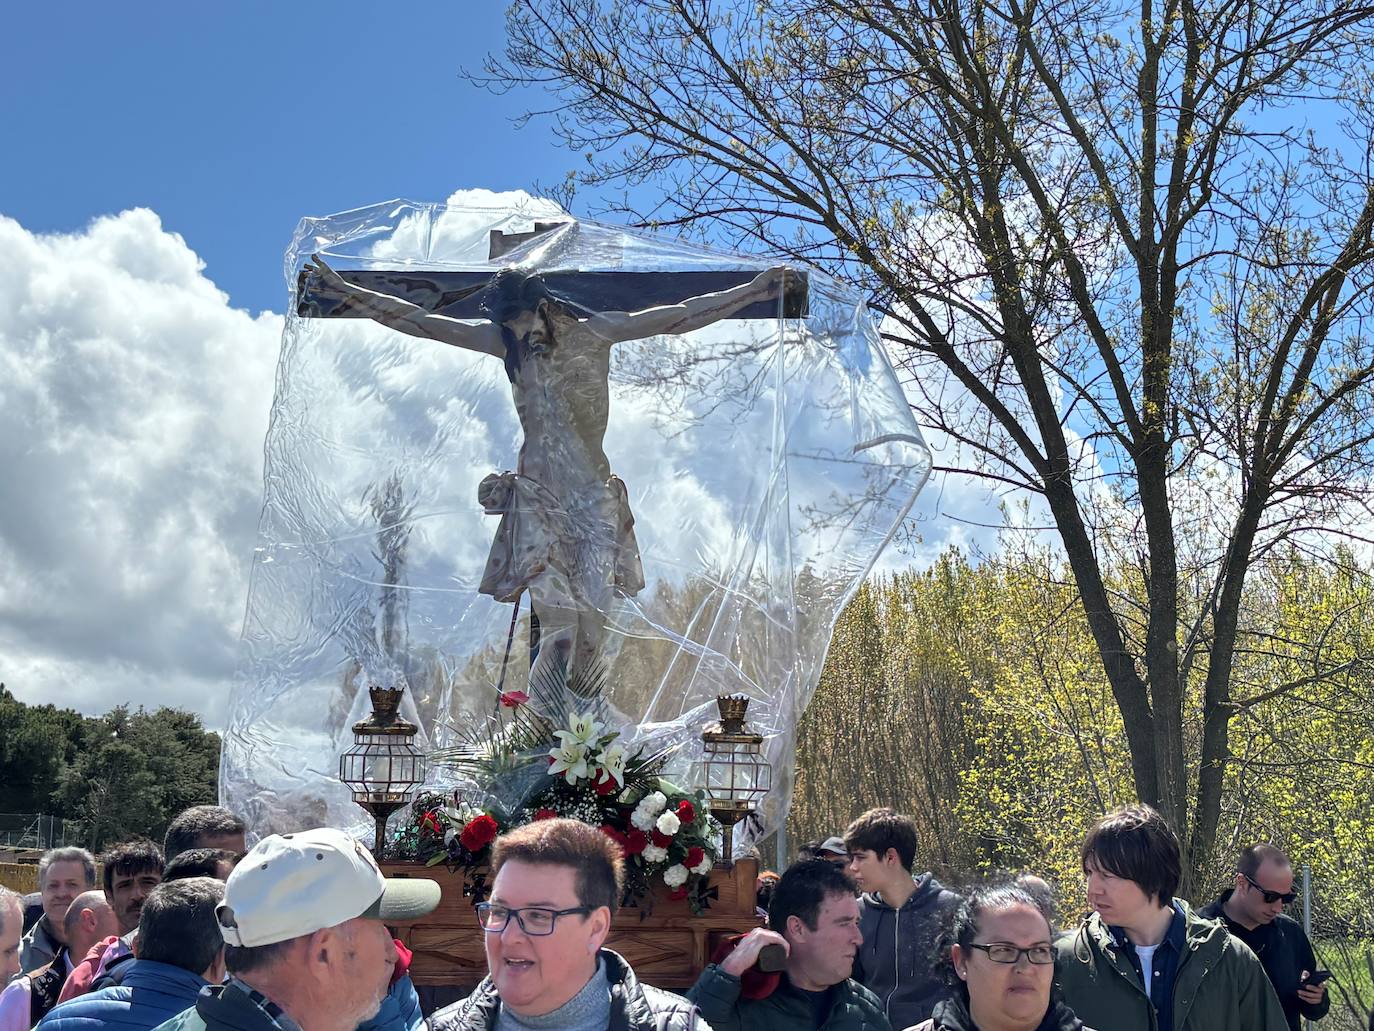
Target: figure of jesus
566	533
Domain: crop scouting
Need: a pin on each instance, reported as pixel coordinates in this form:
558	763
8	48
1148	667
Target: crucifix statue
566	532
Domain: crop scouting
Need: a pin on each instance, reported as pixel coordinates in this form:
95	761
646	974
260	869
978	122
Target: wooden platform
668	948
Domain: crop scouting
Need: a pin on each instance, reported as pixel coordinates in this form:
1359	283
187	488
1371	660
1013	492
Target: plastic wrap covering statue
679	462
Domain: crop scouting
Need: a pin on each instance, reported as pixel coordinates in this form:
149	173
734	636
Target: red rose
680	892
636	841
662	840
606	785
686	812
480	833
544	814
614	835
514	699
694	858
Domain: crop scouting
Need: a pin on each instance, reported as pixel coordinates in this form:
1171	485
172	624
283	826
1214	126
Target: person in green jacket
1143	960
814	919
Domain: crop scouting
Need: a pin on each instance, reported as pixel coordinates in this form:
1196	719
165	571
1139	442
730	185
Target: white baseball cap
290	885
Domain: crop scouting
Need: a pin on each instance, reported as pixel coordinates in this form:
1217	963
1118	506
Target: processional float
549	502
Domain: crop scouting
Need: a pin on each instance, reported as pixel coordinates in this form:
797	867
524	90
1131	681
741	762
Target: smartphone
1316	977
772	958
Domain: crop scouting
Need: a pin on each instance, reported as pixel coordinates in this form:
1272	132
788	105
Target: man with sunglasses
1252	911
556	886
1143	960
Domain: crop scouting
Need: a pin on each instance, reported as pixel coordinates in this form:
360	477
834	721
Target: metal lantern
383	767
738	774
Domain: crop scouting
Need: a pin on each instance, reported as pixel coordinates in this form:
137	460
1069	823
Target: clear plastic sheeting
681	462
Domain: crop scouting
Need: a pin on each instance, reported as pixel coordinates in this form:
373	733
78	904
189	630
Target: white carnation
668	824
704	867
654	854
643	820
654	802
675	876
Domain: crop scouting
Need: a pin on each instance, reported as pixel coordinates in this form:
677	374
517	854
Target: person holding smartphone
1252	910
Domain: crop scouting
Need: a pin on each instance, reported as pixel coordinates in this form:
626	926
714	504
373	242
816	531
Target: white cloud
133	405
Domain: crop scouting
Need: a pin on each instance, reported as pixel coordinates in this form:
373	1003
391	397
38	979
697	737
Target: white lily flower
612	760
585	729
569	761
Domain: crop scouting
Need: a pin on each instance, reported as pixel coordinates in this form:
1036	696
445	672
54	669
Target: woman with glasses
1001	953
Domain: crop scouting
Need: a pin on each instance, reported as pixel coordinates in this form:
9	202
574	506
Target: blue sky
232	121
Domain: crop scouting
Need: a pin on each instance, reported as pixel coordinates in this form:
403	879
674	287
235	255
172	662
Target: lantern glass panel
381	764
736	771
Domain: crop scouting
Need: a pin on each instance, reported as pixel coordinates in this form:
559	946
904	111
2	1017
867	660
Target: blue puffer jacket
400	1009
150	994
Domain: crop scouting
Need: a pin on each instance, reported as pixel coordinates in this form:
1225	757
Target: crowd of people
203	934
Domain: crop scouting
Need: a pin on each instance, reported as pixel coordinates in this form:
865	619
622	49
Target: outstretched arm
693	313
406	317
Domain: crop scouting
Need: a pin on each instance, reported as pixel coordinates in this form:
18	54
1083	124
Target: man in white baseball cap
304	920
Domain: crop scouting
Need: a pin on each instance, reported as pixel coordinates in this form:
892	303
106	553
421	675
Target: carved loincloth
572	551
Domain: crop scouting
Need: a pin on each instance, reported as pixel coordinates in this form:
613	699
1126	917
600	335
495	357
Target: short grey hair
71	854
10	899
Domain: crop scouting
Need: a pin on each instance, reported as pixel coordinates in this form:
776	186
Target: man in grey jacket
902	917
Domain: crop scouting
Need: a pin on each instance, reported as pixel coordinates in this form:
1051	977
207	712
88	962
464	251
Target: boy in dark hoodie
902	917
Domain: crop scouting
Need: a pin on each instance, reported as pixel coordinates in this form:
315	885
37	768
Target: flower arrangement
580	771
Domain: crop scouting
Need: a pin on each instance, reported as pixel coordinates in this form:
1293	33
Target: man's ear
324	946
600	926
891	858
796	928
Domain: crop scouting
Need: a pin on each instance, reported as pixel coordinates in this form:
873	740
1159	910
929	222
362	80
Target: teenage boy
902	917
1144	961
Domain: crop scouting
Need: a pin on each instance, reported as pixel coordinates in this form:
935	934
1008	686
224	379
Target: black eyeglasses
999	952
1286	897
533	920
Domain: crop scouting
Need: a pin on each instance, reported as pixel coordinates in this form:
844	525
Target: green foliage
122	775
972	697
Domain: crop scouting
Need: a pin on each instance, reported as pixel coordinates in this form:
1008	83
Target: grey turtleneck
588	1010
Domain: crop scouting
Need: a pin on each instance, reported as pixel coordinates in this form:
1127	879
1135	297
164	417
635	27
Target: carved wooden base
669	948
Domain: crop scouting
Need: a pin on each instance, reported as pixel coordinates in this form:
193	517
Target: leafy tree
1127	282
971	696
122	775
36	742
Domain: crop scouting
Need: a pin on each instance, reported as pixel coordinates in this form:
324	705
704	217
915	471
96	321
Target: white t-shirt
1146	955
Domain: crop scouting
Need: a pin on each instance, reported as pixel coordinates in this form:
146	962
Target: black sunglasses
1286	897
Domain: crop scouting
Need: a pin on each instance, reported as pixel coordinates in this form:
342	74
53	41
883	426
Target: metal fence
1349	954
39	830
